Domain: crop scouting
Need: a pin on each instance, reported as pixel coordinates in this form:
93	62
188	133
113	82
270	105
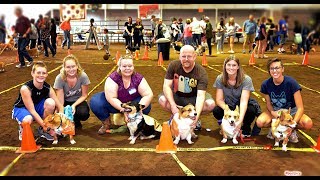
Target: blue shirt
281	22
281	96
250	27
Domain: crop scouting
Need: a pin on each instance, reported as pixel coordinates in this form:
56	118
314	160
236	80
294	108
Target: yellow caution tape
114	67
164	68
6	170
312	67
308	137
98	149
214	69
184	168
260	69
26	81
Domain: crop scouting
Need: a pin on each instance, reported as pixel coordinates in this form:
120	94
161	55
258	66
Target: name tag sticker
132	91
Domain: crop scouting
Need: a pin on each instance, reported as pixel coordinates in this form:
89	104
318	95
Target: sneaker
103	128
30	63
20	66
45	135
265	56
222	52
243	51
53	54
20	132
232	52
246	134
293	137
218	52
127	51
256	56
269	136
198	126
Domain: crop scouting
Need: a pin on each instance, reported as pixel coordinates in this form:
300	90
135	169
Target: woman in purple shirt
121	86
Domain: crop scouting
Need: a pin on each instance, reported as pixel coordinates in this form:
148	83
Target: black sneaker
198	126
45	135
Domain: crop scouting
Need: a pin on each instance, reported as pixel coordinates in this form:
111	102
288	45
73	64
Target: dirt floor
111	154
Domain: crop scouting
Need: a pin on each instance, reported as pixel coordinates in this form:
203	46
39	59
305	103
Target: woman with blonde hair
122	86
72	88
232	28
262	38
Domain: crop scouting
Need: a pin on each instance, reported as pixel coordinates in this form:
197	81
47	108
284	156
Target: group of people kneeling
185	82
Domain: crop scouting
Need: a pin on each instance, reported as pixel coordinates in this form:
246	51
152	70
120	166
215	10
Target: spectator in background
38	24
160	31
128	30
221	30
106	41
283	32
298	29
187	33
21	31
2	30
270	27
196	32
249	33
45	37
66	27
232	28
33	34
262	37
153	24
53	34
137	32
209	34
180	26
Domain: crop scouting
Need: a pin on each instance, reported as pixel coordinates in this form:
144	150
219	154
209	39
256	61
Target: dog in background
282	127
137	124
33	52
149	45
132	50
61	126
177	45
200	50
228	126
181	124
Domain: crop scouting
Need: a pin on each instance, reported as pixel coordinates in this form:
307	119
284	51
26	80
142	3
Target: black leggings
247	120
82	111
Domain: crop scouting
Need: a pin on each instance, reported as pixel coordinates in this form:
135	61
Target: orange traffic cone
28	144
166	143
136	55
252	61
204	60
145	55
317	147
69	52
305	60
160	60
17	57
117	57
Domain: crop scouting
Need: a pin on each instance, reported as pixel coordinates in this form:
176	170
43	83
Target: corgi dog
282	127
61	126
228	126
137	124
181	124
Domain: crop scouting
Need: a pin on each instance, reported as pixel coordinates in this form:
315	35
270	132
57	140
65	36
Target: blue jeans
66	39
102	108
188	41
220	43
196	39
46	45
2	37
22	51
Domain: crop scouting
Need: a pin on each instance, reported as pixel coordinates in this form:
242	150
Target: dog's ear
141	106
226	108
179	107
237	108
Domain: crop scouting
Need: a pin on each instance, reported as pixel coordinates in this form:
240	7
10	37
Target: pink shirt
187	31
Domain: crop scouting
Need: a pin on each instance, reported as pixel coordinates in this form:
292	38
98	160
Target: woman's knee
96	102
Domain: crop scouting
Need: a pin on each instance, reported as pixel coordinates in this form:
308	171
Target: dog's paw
133	141
72	141
276	144
176	141
284	148
130	138
235	141
190	142
224	140
55	142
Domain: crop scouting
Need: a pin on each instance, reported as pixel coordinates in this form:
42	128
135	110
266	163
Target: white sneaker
30	63
20	132
218	52
127	51
231	52
270	135
294	137
20	66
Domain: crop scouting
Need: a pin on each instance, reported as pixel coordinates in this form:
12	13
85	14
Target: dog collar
138	115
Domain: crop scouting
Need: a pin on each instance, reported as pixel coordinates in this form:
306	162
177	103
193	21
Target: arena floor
112	155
